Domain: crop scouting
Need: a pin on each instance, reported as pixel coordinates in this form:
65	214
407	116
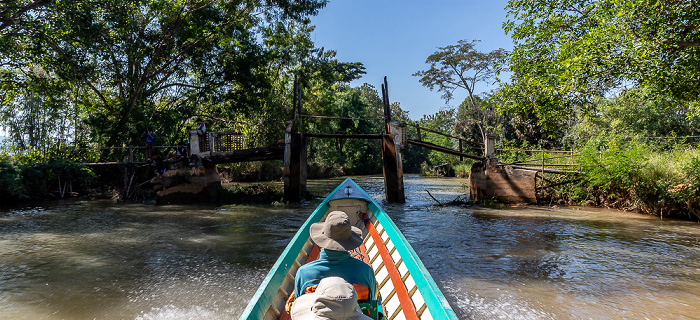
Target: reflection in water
104	260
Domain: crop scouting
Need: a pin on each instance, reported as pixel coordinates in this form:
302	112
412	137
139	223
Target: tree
131	63
569	54
636	112
17	12
461	66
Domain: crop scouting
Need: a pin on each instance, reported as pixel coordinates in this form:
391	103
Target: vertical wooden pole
210	141
294	165
543	178
419	135
294	102
298	106
460	150
294	98
391	156
126	181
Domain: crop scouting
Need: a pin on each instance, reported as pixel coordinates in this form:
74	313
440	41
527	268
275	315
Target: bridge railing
462	145
215	141
553	167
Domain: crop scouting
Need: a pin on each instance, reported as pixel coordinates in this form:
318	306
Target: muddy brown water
106	260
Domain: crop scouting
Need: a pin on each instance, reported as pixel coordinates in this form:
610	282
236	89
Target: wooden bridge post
294	165
391	156
461	158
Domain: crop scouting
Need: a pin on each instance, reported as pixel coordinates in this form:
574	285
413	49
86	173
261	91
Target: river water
106	260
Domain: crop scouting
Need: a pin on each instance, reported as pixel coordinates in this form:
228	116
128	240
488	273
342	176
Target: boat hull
407	290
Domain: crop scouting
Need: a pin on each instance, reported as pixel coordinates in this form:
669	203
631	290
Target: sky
393	38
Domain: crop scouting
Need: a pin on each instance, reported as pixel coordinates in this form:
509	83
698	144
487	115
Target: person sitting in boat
336	237
334	298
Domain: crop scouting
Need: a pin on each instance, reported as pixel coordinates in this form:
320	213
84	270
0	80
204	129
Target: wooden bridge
393	139
508	182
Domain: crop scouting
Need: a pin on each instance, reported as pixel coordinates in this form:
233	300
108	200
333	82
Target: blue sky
393	38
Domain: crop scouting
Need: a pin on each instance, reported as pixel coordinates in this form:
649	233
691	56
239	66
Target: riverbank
634	177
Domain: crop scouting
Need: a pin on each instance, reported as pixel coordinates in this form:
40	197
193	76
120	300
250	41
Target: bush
11	185
261	193
37	180
615	168
637	176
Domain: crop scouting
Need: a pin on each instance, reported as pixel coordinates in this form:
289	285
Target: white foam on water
502	306
171	312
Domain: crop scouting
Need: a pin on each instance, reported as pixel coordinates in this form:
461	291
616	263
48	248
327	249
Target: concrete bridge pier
492	180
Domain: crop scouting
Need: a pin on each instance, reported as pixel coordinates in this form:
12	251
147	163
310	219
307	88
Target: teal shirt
335	264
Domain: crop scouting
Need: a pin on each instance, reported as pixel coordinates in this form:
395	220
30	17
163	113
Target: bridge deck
275	152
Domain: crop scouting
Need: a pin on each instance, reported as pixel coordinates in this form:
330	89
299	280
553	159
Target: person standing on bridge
149	136
201	131
201	127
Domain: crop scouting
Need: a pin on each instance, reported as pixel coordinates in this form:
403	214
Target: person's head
336	233
199	120
179	144
334	298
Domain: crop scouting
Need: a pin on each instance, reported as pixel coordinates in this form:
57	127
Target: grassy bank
638	177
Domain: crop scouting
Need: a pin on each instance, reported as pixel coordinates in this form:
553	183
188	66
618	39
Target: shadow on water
105	260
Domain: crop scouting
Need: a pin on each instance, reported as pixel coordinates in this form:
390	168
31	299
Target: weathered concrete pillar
490	146
504	183
193	138
294	166
195	146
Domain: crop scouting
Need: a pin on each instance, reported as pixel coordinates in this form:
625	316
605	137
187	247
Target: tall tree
132	61
461	66
568	53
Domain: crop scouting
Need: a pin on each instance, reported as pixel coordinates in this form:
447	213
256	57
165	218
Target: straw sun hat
334	299
336	233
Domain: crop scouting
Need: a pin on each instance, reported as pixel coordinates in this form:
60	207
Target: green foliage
568	54
636	176
37	179
11	186
109	69
332	157
616	167
637	112
464	170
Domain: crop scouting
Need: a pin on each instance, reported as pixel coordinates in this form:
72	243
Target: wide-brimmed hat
336	233
334	299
